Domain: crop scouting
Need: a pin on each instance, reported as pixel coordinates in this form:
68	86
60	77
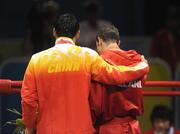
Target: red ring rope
160	93
8	87
162	84
147	84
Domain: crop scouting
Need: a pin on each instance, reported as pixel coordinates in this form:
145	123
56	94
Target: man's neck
112	46
74	40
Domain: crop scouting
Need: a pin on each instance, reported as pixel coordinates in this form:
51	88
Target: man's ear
100	41
119	43
97	41
54	33
77	36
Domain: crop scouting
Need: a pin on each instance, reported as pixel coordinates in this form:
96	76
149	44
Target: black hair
109	33
66	25
162	112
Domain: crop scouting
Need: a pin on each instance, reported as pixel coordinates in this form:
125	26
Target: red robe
114	111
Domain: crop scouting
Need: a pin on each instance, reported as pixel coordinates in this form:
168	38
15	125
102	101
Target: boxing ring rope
9	87
162	84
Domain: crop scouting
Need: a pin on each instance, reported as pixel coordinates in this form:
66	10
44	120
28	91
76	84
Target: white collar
64	40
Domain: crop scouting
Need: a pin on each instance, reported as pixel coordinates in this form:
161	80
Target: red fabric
151	131
126	125
107	104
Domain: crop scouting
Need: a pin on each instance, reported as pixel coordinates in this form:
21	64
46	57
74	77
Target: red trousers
125	125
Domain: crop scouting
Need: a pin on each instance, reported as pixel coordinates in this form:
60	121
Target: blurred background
152	27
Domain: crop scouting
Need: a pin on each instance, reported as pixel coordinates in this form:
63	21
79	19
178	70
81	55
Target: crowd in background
165	43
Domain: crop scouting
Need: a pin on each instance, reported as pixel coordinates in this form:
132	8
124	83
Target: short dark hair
109	33
162	112
66	25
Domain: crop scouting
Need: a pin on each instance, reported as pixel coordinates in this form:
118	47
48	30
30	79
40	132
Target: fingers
29	131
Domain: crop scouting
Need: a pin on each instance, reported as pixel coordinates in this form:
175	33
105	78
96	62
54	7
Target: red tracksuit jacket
56	85
106	105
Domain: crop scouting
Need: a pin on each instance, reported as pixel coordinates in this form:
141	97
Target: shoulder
131	51
35	57
90	51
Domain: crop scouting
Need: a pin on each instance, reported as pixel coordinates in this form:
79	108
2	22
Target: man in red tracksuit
114	111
